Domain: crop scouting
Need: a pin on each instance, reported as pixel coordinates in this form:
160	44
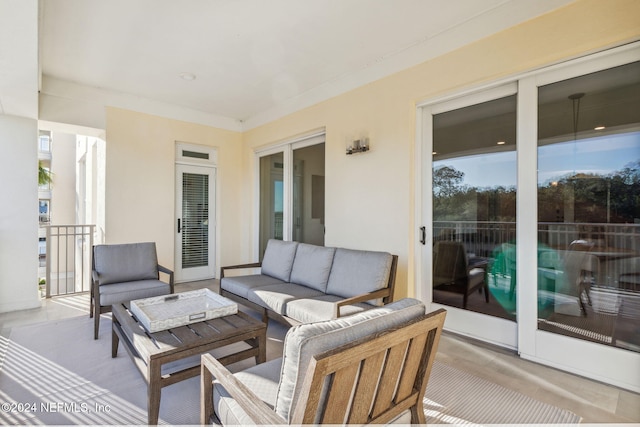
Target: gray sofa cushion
276	297
304	341
358	272
126	291
312	265
126	262
307	310
241	285
262	379
278	259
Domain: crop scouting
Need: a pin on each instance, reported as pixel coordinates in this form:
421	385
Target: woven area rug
54	373
456	397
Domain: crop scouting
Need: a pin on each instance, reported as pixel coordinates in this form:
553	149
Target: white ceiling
255	60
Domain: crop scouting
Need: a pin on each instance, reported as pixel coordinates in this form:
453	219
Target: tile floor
595	402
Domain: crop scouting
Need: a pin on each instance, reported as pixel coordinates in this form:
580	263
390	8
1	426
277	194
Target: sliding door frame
286	147
491	329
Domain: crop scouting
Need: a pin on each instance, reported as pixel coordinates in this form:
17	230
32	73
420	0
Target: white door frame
202	160
491	329
287	148
608	364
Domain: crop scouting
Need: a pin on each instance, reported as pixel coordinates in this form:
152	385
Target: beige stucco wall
140	181
18	213
370	197
63	167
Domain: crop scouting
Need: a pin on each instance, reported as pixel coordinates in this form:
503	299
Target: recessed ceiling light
501	142
599	128
187	76
434	153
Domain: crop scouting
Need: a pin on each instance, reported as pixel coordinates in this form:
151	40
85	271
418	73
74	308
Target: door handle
179	225
423	235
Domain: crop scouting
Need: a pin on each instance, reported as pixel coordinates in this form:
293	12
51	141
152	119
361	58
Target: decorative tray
170	311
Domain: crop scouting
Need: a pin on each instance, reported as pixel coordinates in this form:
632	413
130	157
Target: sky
601	155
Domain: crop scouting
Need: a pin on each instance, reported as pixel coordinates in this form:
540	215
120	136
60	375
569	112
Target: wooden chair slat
343	382
366	389
309	401
424	371
389	379
411	365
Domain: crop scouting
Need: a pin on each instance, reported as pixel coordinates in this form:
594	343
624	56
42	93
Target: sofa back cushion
125	262
358	272
304	341
278	259
312	265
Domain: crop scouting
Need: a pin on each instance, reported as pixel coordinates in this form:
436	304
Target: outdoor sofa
303	283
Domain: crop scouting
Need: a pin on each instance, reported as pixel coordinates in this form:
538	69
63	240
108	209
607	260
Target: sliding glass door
473	207
271	198
291	192
588	219
589	207
531	191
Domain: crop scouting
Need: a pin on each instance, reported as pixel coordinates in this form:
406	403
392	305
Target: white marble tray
170	311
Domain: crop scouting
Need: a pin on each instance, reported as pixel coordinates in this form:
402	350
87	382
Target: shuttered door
195	220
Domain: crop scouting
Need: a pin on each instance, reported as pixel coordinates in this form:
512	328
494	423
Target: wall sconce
359	146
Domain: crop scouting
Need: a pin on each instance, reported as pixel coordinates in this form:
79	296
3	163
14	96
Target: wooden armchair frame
369	381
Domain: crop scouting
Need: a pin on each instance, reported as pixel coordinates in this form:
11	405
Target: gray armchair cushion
278	259
358	272
312	265
126	262
304	341
126	291
276	297
262	379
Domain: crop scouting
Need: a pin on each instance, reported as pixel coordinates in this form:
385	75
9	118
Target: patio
593	401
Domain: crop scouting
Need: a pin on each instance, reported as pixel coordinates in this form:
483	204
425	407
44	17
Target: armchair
122	273
367	368
453	273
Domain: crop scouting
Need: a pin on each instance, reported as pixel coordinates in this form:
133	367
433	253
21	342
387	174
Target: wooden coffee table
149	351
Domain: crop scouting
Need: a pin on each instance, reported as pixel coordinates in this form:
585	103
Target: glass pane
588	207
195	220
308	195
44	211
271	199
474	207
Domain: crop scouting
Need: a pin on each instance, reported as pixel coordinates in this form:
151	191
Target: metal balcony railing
615	247
68	258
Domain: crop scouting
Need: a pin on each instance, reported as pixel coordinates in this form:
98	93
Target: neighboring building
74	197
